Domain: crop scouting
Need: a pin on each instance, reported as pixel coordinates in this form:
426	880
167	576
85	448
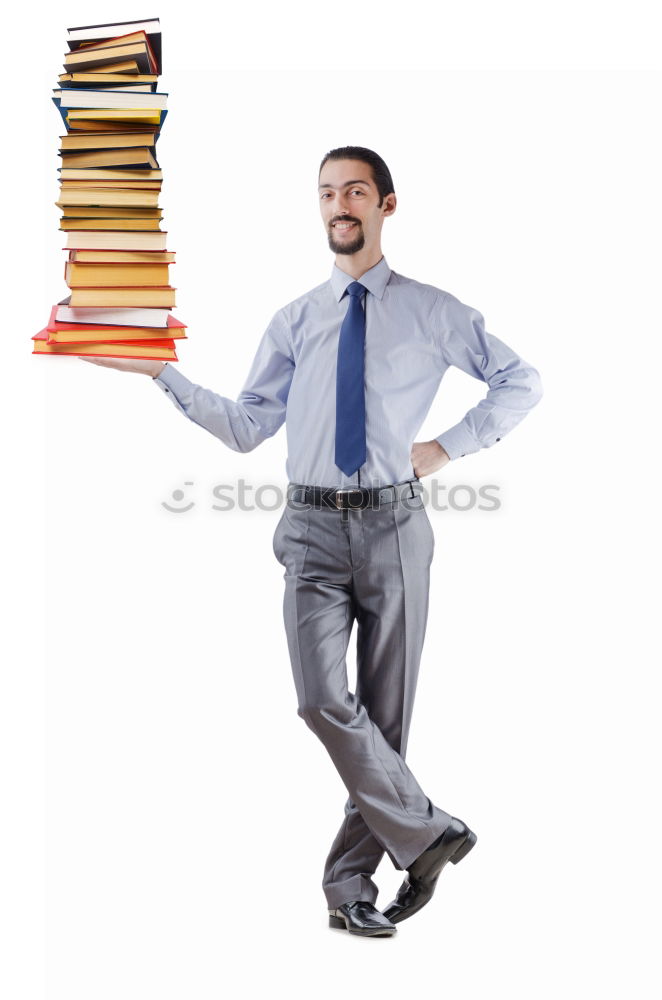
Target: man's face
349	203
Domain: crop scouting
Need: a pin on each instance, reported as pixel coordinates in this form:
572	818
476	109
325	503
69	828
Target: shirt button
167	390
498	439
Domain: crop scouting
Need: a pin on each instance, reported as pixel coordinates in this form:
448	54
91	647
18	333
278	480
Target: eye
357	191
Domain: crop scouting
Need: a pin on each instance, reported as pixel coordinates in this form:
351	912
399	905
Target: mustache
344	218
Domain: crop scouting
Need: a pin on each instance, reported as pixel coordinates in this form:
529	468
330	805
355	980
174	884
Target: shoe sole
464	848
339	924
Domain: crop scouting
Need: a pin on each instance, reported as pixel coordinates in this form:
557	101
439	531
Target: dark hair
380	172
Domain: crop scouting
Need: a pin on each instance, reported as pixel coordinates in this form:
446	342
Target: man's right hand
141	366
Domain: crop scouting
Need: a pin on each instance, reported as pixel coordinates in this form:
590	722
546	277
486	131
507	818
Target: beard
347	246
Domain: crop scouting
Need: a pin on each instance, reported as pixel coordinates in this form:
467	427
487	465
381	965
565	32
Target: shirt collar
375	280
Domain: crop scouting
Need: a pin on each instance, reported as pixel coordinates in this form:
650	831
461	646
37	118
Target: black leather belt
352	498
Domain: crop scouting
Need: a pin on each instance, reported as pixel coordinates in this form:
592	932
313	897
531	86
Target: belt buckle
337	500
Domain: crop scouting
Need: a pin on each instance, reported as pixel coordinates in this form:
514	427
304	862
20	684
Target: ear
388	205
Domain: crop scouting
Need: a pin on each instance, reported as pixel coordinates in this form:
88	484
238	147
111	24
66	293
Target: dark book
104	32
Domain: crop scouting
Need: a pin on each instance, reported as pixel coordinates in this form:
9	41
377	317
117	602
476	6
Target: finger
98	361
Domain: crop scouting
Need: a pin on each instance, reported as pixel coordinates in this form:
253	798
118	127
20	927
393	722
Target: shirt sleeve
261	406
514	385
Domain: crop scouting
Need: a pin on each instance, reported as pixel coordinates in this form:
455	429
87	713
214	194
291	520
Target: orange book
163	350
106	298
113	275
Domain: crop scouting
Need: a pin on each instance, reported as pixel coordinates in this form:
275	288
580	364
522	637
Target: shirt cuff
173	380
176	386
458	441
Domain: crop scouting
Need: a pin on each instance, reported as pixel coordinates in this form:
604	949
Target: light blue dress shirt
414	333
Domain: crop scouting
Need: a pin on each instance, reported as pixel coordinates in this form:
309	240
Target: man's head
356	194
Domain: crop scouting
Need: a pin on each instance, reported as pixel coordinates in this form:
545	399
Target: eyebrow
346	184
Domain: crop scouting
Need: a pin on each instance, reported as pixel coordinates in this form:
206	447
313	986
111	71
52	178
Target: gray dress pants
371	566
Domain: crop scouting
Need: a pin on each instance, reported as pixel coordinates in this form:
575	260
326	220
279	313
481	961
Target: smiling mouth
343	227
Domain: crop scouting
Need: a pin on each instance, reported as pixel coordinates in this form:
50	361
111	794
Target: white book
85	98
113	239
112	317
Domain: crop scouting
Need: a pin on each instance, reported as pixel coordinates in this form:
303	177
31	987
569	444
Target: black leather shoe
361	917
417	889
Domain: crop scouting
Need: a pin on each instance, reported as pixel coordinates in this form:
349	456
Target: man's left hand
427	457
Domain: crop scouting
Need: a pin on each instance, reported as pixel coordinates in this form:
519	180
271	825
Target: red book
151	350
81	333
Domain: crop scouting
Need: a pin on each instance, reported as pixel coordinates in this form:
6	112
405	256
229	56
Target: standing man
353	367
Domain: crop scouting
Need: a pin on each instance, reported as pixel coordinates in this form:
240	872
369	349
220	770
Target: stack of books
117	266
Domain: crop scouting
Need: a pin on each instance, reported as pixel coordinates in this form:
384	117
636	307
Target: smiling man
352	368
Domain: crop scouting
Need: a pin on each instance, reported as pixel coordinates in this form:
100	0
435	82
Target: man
353	367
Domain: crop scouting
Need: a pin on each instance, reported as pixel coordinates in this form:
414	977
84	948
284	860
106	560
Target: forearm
514	386
511	396
239	426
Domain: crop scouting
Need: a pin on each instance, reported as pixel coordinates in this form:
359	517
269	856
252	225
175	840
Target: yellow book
141	116
163	298
114	275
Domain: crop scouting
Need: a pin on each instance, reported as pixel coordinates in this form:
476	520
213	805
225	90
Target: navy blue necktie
350	392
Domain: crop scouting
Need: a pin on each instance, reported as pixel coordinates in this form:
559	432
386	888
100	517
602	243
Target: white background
167	814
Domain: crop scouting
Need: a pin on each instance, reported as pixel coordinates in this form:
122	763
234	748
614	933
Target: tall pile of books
117	266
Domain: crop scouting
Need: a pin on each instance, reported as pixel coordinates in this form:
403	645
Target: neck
358	263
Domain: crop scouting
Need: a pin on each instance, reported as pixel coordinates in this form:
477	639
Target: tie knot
356	289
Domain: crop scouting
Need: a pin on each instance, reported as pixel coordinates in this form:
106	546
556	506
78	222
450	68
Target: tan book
123	256
136	185
132	225
69	174
107	78
106	140
130	67
110	297
107	43
101	275
111	212
108	56
109	157
108	240
108	196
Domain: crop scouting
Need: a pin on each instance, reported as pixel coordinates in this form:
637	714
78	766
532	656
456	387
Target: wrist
157	369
